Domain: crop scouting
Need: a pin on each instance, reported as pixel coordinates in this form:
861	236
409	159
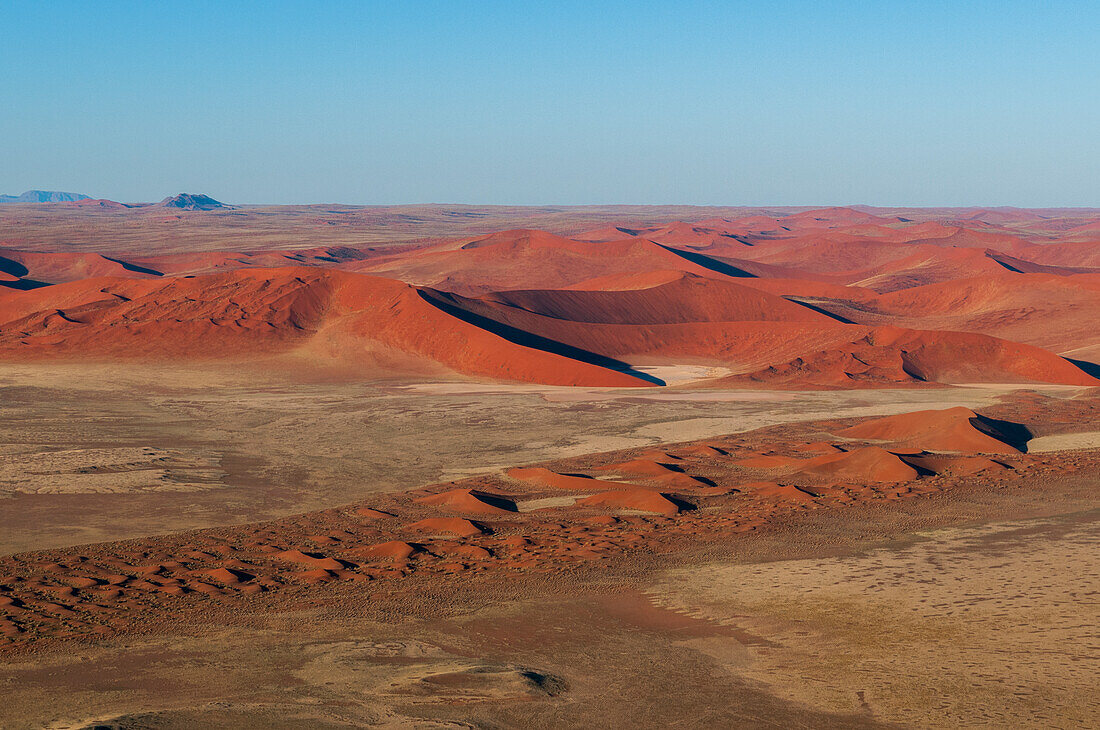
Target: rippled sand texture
991	626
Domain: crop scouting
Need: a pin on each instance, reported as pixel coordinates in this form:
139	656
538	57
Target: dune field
459	466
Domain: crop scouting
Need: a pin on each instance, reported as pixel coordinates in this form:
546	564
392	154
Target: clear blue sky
919	103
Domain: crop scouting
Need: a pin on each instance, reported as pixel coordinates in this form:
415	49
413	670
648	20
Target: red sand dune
392	550
227	575
699	450
56	268
678	297
956	465
953	429
773	491
469	501
249	312
526	259
373	514
308	559
817	447
643	500
543	477
829	298
767	461
639	467
1054	312
446	525
669	477
894	356
869	464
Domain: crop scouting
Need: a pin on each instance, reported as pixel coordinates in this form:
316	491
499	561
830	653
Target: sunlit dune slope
264	311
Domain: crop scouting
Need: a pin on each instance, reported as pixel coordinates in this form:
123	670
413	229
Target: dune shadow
684	505
23	284
1014	434
496	501
1007	266
1090	368
914	460
12	267
134	267
821	310
710	262
528	339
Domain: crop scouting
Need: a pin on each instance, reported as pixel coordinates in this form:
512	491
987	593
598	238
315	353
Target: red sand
832	298
543	477
448	525
392	550
954	429
469	501
643	500
121	587
869	464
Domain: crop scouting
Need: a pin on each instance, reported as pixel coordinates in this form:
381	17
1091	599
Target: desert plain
458	466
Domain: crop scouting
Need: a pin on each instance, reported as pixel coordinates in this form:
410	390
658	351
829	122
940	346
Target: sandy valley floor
873	620
93	453
971	603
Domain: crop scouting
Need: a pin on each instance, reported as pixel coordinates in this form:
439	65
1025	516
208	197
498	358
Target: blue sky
906	103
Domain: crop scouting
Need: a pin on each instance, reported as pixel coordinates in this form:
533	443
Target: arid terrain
452	466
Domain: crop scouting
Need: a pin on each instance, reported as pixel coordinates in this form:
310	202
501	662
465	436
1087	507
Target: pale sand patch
681	374
105	470
672	395
1065	442
991	626
701	428
534	504
289	446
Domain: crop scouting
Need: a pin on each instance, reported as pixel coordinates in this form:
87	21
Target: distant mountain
43	196
191	201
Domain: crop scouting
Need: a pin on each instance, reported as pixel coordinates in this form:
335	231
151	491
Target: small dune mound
470	501
869	464
458	550
658	455
667	475
640	467
392	550
313	560
960	466
543	477
315	576
228	576
701	450
447	526
953	429
778	492
766	461
817	447
371	513
889	356
642	500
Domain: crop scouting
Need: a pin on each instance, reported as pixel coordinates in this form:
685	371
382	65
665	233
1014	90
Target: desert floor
969	609
92	453
970	606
